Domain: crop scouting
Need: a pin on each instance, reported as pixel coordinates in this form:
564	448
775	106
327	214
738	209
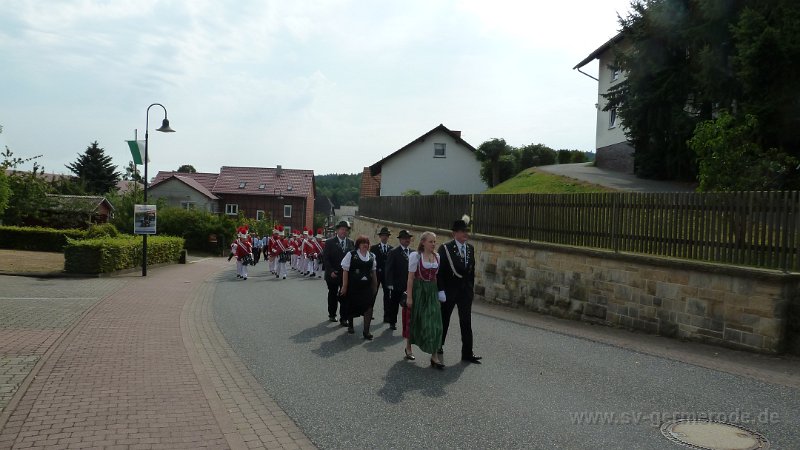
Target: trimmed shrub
37	239
101	230
107	254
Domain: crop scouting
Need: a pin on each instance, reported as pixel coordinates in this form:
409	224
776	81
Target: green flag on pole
137	150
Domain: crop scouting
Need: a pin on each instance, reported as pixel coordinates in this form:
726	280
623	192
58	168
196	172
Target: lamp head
165	127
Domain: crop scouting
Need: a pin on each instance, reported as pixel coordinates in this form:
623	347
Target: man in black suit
332	255
396	277
457	279
381	251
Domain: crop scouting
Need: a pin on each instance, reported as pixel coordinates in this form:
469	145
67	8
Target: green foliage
132	173
504	168
533	181
186	168
490	153
195	227
320	219
123	208
28	196
533	155
411	192
106	254
730	158
5	191
441	192
571	156
342	189
66	185
94	168
101	230
36	238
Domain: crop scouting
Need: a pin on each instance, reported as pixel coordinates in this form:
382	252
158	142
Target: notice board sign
144	219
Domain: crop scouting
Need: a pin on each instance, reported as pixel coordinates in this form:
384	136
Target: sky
328	85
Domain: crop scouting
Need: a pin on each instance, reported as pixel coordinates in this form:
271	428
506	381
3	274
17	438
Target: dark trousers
333	296
461	298
391	304
256	255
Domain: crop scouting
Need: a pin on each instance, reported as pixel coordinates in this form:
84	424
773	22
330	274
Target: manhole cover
708	435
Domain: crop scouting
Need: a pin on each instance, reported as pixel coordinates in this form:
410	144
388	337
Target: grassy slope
538	182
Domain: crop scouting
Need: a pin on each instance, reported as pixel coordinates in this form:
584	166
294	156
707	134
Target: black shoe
367	336
409	356
440	351
351	330
343	323
437	365
392	326
472	358
332	318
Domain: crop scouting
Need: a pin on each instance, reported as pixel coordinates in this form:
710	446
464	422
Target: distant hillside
342	189
533	181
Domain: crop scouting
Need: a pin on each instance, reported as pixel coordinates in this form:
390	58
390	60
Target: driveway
616	180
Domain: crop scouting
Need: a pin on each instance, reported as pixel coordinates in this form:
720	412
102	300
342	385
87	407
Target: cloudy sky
328	85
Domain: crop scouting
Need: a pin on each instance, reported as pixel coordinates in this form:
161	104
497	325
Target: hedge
107	254
37	238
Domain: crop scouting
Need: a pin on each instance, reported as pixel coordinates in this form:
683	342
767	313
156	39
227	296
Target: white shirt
413	262
347	258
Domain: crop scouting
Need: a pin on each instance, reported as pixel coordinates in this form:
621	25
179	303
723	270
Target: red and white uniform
242	247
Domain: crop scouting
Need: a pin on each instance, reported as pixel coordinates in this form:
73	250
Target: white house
438	160
612	148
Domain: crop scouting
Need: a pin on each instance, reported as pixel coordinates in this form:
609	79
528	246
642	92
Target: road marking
198	260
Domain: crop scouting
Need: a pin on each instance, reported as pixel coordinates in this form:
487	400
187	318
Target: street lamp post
164	129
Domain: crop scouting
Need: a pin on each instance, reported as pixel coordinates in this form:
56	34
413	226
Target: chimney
278	170
457	133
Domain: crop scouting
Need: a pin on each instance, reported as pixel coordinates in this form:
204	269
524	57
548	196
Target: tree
489	153
27	190
441	192
5	192
411	193
534	155
95	169
187	168
132	173
506	168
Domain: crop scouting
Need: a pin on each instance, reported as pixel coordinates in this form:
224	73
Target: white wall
176	192
607	136
416	168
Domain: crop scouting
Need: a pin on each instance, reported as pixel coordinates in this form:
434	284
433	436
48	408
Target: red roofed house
258	192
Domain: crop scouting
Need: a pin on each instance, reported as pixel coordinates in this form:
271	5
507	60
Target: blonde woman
423	298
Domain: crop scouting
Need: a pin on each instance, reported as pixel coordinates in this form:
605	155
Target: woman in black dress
359	285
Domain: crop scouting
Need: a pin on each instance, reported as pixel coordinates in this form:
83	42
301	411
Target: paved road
345	392
616	180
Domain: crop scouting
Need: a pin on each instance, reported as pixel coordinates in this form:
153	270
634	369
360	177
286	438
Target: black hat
461	224
404	234
385	231
343	223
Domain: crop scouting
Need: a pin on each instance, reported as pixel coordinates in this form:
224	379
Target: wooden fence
757	229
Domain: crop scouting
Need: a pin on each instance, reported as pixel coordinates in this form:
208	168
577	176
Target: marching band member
283	251
271	250
319	245
243	249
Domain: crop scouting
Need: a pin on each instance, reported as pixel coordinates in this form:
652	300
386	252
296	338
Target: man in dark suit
381	251
396	277
332	255
457	279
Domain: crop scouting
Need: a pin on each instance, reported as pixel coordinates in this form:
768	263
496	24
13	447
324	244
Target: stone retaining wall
732	306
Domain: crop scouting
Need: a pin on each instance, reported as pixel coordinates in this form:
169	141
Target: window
287	210
231	209
242	184
438	150
612	118
260	214
615	73
187	205
262	186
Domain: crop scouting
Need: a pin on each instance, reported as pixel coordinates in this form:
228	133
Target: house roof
370	186
264	181
205	179
125	186
76	203
599	51
375	169
192	183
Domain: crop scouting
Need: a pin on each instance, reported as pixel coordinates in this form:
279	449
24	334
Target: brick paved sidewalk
146	368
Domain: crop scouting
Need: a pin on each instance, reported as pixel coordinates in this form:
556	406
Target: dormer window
289	188
262	186
242	184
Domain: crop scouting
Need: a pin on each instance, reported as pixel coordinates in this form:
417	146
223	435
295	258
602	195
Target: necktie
406	251
343	244
383	248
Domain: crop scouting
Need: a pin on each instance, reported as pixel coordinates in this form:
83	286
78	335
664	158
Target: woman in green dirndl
424	298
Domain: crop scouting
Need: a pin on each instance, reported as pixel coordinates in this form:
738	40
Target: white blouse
413	262
348	256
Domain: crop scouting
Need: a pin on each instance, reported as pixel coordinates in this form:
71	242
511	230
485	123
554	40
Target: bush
107	254
441	192
37	239
102	230
195	227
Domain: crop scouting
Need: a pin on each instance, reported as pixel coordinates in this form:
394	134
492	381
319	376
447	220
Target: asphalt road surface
534	385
